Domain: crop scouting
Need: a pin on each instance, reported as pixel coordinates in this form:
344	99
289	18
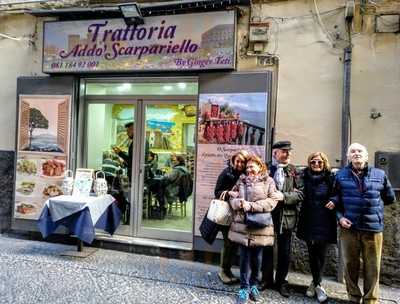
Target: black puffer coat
317	223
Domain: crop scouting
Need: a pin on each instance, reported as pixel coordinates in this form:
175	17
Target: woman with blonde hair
317	220
254	192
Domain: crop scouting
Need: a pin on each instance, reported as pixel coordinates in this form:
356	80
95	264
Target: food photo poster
42	156
227	123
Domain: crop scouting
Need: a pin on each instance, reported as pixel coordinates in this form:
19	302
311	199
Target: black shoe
267	285
284	290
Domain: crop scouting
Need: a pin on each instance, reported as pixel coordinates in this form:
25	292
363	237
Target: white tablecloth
65	205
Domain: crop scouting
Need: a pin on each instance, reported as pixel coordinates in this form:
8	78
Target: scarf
279	176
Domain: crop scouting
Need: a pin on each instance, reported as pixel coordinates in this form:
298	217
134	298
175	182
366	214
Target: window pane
167	195
173	88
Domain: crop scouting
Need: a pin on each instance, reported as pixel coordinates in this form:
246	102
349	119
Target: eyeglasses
316	162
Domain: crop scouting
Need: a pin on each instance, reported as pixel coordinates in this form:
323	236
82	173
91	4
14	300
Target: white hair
357	146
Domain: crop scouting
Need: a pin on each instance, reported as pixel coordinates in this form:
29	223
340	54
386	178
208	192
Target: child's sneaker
254	293
321	293
243	296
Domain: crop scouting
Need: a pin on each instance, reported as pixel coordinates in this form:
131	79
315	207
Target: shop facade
130	101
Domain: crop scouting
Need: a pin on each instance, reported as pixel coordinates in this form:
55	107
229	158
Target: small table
81	215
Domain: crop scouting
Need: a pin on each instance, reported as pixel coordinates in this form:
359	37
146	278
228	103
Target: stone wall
6	188
300	258
390	254
391	246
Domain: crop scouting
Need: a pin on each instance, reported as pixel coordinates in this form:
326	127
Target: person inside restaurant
171	187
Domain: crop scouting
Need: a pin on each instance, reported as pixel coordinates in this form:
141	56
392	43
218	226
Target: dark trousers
284	245
316	255
250	261
157	187
228	251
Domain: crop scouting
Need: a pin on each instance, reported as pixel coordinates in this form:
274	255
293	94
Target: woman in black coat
317	221
225	182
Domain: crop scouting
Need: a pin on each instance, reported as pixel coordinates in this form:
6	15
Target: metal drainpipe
346	103
345	127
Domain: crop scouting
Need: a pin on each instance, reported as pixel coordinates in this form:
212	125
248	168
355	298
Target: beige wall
17	58
310	76
376	84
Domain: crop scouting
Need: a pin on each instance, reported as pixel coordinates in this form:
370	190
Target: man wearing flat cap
284	215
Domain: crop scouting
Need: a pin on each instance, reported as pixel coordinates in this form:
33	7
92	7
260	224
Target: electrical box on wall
390	163
388	23
259	31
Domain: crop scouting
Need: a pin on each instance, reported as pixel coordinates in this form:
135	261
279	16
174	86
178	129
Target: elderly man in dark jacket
360	194
225	182
284	216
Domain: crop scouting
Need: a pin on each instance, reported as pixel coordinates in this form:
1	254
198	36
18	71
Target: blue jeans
250	261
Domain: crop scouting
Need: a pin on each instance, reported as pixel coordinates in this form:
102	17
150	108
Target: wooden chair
178	205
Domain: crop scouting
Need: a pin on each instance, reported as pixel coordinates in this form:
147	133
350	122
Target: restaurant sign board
180	42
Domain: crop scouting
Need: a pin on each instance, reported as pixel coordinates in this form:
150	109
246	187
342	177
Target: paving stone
35	272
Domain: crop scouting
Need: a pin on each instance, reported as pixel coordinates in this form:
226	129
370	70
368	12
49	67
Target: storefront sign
180	42
228	123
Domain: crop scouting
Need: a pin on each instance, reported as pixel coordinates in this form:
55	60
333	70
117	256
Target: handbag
208	230
220	211
256	220
67	184
100	184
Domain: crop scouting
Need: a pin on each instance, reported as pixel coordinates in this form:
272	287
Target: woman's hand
233	194
277	195
246	206
330	205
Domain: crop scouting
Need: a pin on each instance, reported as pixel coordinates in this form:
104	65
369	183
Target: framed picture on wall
44	123
42	151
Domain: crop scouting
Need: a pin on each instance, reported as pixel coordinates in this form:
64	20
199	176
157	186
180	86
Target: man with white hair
360	194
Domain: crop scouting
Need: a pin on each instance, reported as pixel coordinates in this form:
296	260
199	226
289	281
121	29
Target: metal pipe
346	128
346	103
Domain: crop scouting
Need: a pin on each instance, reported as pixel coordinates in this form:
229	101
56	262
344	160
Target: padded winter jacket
316	222
360	199
257	191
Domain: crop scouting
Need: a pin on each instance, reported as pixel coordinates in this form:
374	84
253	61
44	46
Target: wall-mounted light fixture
131	13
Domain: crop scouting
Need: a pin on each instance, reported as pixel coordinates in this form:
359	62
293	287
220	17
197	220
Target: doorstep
144	242
153	247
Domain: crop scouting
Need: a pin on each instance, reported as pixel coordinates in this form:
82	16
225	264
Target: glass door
168	169
111	138
140	133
